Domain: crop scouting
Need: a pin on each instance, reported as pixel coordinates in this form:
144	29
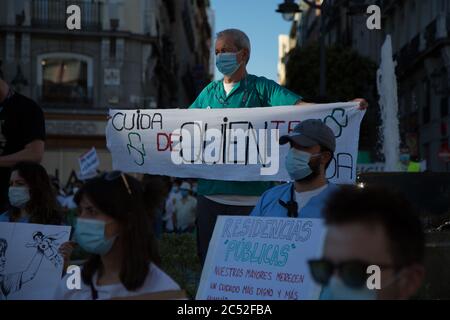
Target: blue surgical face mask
297	164
90	235
18	196
184	193
405	157
337	290
227	63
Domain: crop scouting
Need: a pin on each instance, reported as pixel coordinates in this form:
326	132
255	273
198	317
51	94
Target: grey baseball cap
310	133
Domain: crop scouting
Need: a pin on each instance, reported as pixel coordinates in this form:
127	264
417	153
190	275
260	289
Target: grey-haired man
237	89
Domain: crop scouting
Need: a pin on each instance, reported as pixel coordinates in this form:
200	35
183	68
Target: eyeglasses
113	175
353	273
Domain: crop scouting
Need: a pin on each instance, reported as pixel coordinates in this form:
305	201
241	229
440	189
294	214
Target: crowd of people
172	201
119	218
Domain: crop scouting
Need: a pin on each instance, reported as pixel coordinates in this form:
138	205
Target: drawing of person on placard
48	246
13	282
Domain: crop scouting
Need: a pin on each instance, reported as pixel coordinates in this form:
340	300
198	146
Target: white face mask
18	196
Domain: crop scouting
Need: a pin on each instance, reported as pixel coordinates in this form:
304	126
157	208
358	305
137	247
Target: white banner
256	258
226	144
30	264
89	162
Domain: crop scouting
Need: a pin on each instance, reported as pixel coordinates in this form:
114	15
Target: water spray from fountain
387	90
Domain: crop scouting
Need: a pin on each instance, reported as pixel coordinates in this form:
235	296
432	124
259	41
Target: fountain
429	192
387	90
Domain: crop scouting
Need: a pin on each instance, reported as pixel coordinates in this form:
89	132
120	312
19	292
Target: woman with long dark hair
31	196
114	226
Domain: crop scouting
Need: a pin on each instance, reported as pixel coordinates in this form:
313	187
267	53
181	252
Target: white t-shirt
156	281
185	210
170	207
302	198
229	86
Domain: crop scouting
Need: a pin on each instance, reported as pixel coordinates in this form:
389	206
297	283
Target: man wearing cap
312	147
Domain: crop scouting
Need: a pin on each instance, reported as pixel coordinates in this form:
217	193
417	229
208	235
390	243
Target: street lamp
288	9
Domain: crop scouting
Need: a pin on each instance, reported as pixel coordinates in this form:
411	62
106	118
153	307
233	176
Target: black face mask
314	164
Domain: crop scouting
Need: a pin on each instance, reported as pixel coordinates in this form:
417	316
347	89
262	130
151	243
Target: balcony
52	14
431	37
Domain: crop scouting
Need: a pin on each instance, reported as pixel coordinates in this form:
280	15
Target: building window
443	6
52	13
401	105
18	45
426	114
64	79
426	109
444	128
444	107
427	154
112	48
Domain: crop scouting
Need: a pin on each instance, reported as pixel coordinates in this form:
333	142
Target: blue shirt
268	205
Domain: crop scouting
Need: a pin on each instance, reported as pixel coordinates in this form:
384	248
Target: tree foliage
349	75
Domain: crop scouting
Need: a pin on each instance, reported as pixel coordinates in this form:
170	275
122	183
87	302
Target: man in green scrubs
237	89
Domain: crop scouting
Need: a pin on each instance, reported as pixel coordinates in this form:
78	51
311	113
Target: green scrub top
250	92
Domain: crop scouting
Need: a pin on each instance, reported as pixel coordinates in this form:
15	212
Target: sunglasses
353	273
114	175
